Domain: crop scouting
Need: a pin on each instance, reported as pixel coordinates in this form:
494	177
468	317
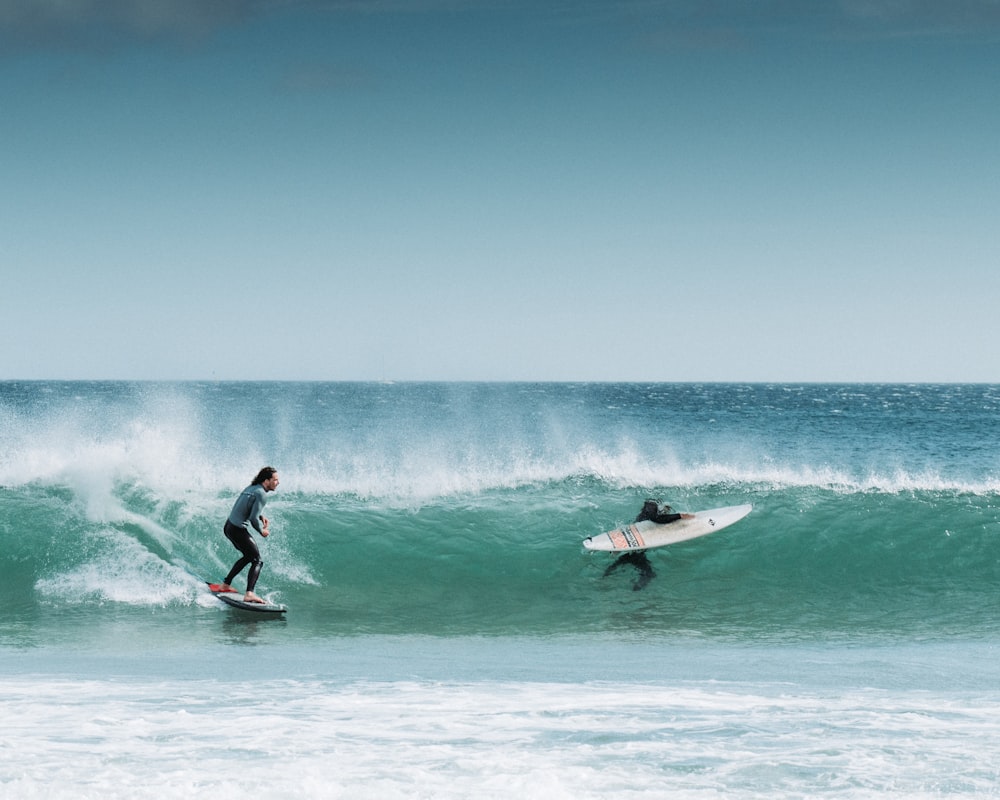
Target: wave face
459	509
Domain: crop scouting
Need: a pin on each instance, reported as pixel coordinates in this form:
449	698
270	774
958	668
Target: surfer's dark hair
264	475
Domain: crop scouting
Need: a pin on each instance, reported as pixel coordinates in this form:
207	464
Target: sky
636	190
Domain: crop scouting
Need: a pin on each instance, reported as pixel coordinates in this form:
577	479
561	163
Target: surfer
661	514
246	514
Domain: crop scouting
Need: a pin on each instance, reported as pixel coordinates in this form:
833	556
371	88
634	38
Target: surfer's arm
668	518
257	519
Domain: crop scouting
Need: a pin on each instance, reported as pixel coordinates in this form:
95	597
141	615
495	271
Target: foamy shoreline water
859	722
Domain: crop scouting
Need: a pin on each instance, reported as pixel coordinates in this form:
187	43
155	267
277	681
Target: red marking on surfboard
626	537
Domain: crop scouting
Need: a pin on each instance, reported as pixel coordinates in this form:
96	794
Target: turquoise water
838	641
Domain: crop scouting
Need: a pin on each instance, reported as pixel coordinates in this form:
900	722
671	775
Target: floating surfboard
647	534
235	599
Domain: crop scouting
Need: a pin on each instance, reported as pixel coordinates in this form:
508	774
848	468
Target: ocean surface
448	636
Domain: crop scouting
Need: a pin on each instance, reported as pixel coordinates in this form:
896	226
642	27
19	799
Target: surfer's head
268	478
654	509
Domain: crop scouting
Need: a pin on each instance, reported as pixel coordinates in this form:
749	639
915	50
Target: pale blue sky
506	190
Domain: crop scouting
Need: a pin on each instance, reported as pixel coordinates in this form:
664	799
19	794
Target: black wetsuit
246	513
637	558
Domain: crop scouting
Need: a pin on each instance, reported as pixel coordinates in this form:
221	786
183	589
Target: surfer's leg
241	563
243	541
255	565
254	573
646	573
236	570
634	557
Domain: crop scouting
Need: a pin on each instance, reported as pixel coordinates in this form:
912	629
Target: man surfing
661	514
246	515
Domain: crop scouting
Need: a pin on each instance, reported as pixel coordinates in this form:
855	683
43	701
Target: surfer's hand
265	532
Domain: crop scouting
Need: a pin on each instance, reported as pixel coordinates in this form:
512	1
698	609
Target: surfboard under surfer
246	515
661	514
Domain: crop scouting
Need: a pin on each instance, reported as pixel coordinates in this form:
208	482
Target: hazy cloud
317	78
923	17
101	25
106	24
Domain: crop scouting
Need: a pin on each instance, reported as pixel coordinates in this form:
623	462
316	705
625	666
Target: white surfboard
647	534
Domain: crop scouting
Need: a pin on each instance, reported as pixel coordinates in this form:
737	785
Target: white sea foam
404	739
123	570
148	459
182	446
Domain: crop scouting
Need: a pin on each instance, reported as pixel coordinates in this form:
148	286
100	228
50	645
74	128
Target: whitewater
448	636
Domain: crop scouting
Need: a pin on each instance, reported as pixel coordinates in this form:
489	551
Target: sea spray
449	637
460	509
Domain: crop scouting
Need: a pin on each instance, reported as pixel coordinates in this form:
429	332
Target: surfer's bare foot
225	587
250	597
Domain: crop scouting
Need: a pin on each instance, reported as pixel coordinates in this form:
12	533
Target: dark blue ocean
448	636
